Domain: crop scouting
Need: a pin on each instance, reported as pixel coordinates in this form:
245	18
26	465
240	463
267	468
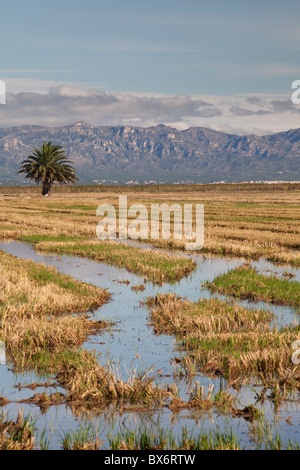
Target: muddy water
132	344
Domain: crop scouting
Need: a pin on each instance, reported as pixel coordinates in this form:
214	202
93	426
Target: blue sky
216	48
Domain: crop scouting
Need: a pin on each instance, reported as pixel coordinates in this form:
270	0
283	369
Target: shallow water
132	343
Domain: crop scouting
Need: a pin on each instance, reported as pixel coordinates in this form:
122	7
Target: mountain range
158	154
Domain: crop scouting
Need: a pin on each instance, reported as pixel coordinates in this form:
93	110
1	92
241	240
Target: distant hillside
160	153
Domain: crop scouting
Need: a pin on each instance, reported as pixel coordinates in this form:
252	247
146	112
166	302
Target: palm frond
49	164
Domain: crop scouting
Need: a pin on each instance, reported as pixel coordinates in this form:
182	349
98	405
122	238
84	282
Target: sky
223	64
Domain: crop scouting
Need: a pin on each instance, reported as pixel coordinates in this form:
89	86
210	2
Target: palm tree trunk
46	188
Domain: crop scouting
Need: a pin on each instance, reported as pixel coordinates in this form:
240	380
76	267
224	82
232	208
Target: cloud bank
66	104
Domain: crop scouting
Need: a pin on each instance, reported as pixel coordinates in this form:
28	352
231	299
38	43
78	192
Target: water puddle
132	343
2	353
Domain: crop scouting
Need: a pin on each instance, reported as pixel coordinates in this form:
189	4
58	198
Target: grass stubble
224	338
248	221
40	331
44	322
245	282
156	267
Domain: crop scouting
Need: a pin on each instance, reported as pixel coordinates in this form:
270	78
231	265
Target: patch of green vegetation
47	362
35	213
48	238
156	266
72	207
17	435
238	344
7	227
44	275
84	438
243	218
145	439
245	283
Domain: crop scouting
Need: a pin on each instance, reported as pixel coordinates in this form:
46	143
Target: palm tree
47	165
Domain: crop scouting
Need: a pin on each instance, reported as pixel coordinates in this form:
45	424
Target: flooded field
132	344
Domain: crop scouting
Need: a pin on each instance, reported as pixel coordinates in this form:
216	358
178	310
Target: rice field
228	339
245	283
223	330
244	221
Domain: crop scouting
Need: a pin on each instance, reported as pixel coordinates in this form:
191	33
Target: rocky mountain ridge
158	153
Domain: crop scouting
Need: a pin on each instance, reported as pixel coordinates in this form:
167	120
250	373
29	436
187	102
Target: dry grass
26	338
172	314
157	267
220	338
227	339
39	333
94	384
16	435
30	290
251	354
259	221
35	305
202	400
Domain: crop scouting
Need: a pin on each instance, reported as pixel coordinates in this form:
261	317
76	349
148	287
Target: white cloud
65	104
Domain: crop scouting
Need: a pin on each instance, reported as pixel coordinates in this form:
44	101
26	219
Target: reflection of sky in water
2	353
132	334
131	342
